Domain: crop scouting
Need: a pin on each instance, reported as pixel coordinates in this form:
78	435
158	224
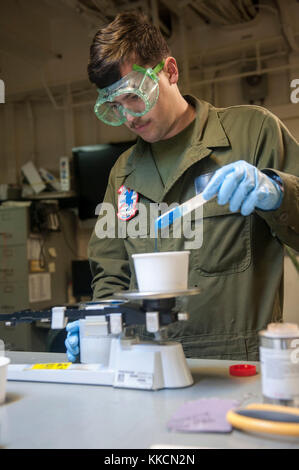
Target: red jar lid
242	370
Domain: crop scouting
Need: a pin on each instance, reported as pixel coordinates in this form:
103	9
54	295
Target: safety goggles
135	94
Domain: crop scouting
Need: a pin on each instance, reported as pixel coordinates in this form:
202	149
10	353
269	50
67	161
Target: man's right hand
72	341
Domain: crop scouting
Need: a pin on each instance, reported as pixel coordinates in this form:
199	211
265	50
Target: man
252	163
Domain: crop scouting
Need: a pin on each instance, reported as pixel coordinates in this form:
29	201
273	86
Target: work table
59	416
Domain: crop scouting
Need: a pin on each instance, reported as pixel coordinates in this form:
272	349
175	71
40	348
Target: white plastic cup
94	342
162	272
4	361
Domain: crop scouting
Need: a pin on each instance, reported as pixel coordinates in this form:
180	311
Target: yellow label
58	365
35	266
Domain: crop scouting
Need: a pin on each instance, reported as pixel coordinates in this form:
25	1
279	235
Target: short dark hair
130	36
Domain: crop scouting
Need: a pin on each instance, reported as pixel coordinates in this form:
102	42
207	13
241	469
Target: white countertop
60	416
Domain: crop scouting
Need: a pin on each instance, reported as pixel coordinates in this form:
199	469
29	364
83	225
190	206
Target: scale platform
147	365
137	295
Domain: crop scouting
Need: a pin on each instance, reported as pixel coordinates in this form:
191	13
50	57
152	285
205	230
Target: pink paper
204	415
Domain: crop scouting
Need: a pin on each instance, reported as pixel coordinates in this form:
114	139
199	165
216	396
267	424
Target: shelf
52	195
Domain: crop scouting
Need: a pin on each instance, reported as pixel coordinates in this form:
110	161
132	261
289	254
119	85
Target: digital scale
109	336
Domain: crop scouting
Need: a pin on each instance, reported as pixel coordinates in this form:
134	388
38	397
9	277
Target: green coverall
239	266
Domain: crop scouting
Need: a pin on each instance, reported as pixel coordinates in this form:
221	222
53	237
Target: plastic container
94	341
279	357
162	271
4	361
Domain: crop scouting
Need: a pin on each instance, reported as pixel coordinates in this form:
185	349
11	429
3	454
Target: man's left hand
245	188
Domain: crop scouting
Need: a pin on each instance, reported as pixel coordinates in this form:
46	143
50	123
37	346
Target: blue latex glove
72	340
244	187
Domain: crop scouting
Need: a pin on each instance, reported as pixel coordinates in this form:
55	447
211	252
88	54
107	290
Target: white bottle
65	175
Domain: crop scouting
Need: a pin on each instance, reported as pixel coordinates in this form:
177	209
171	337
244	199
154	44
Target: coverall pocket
226	242
137	244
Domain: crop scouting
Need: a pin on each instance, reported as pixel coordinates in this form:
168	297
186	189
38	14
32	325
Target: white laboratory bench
63	416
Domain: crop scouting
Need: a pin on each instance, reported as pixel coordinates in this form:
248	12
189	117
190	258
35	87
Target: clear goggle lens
135	94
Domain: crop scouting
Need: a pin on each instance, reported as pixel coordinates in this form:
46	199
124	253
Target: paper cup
4	361
162	272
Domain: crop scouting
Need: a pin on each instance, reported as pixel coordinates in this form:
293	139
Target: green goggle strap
150	72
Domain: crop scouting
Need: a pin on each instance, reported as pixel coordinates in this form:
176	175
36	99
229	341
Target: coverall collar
141	172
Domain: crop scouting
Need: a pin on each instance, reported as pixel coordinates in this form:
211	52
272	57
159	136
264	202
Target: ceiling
194	12
209	37
213	12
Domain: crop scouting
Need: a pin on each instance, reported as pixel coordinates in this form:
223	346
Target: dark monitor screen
81	279
92	165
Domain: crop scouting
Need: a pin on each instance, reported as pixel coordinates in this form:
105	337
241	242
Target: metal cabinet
14	231
17	275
